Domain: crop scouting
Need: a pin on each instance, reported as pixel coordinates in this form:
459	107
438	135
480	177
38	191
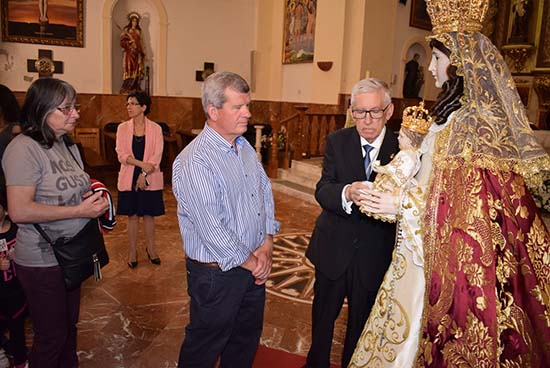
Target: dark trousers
327	302
13	312
226	317
54	313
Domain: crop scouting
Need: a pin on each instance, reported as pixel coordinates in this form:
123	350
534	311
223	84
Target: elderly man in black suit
350	251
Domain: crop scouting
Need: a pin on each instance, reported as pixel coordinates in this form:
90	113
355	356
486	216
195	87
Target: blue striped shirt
225	202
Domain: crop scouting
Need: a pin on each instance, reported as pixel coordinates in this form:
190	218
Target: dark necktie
368	168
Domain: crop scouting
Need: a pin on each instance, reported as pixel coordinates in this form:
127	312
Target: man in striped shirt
226	219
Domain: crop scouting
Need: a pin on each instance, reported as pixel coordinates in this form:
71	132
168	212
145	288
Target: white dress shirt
377	143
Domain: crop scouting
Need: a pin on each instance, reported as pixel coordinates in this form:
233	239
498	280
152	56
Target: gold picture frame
419	16
47	22
299	31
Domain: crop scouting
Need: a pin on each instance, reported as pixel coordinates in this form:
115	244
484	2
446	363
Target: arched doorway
417	45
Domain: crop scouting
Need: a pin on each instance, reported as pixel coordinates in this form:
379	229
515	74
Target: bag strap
74	158
43	233
37	226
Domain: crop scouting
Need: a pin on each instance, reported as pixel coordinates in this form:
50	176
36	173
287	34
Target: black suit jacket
338	237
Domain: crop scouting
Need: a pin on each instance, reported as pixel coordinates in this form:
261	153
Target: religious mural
299	31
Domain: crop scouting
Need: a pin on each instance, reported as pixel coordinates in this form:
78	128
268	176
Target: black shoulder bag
81	256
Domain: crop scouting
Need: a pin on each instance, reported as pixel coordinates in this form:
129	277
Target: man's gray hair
213	89
369	85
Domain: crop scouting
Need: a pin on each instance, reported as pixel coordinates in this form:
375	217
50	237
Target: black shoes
155	261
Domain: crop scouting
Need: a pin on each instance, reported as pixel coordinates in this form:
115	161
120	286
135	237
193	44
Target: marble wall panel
175	111
181	113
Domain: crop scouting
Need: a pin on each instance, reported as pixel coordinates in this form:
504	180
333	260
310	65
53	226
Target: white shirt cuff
346	205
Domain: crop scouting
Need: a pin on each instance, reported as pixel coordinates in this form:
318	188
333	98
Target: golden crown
417	119
457	15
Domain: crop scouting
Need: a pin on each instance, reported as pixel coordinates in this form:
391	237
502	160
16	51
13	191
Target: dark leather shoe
155	261
132	264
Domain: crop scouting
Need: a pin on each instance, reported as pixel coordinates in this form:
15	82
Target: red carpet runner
271	358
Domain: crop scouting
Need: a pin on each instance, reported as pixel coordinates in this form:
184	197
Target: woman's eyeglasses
132	104
67	109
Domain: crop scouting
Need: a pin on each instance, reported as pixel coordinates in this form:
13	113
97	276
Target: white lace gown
391	334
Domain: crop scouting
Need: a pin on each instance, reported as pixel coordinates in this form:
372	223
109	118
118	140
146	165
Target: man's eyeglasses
67	109
374	113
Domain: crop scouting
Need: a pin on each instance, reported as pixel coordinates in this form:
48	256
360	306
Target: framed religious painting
543	52
419	15
48	22
299	31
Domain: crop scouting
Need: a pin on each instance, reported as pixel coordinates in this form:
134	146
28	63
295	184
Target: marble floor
136	318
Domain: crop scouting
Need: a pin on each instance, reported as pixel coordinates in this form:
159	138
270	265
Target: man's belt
205	264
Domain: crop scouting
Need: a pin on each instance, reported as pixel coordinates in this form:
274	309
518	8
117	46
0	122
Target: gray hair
369	85
42	99
213	89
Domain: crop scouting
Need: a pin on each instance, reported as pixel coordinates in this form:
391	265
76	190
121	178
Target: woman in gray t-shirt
47	185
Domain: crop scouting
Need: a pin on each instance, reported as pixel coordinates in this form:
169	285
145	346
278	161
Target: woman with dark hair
134	55
9	108
9	121
9	117
485	246
46	185
139	146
